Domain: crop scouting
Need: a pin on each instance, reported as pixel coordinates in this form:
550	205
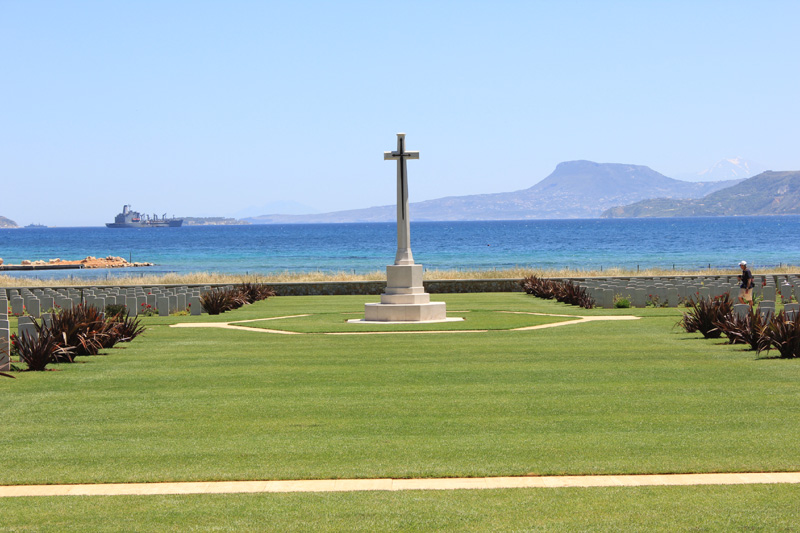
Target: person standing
746	285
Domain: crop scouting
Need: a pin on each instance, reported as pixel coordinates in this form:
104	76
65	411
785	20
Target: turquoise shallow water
686	243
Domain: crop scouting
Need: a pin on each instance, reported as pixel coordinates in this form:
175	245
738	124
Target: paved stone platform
387	484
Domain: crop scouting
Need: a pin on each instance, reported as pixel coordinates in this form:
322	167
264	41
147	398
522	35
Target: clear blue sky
207	108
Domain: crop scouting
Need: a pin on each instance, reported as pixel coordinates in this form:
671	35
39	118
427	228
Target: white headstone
163	306
5	346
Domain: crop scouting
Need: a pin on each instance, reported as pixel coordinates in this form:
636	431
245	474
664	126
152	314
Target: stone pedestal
405	299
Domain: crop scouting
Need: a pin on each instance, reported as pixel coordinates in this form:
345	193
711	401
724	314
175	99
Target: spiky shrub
563	291
703	315
539	287
265	292
236	300
82	328
221	300
217	301
572	294
747	329
585	300
783	334
254	292
128	328
38	351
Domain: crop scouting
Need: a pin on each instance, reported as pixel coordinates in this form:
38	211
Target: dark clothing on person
747	279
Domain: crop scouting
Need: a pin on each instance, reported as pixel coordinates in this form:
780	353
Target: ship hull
167	224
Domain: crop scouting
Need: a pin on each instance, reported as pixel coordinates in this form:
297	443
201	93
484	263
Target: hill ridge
768	193
575	189
7	223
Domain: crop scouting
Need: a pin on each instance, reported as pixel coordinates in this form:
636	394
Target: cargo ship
134	219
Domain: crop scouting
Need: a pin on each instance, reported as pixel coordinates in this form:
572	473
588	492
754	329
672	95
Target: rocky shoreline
88	262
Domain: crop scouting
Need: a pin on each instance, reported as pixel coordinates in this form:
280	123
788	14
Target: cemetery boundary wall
322	288
377	287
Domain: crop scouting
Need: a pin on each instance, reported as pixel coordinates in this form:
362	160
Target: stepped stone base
405	299
428	312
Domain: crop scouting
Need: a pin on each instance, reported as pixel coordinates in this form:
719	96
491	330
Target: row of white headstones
672	291
29	305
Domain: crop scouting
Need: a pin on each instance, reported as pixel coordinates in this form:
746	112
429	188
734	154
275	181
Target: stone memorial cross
400	155
404	299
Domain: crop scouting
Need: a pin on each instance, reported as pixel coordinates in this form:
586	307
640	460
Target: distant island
213	221
188	221
7	223
769	193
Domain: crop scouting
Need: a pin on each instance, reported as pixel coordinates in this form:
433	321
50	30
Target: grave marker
769	292
26	328
181	301
639	297
17	306
163	306
5	346
196	308
786	293
672	297
767	309
131	305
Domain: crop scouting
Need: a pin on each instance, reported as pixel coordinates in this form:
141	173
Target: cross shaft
404	256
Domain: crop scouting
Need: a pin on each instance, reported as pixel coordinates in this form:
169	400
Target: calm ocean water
687	243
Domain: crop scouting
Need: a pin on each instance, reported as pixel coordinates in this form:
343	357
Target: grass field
766	508
182	404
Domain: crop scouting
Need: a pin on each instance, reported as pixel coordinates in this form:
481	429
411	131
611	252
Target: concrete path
233	325
355	485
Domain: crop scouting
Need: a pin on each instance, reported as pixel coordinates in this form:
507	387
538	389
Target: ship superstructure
134	219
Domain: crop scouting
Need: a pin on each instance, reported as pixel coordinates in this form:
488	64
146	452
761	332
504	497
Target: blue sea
680	243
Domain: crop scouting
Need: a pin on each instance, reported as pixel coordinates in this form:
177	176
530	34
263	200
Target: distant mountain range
7	223
769	193
727	169
575	189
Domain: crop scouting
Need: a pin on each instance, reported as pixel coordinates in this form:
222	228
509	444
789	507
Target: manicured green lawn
711	508
594	398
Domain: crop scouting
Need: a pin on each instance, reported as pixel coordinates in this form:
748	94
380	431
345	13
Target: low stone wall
328	288
377	287
472	285
435	286
331	288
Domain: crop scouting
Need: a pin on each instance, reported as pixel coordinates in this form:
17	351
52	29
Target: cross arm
396	155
